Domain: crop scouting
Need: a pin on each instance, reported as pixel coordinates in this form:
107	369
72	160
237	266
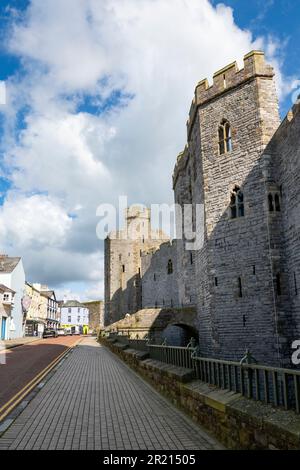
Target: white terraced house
12	277
7	296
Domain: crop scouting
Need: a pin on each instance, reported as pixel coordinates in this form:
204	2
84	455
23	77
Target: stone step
180	373
140	355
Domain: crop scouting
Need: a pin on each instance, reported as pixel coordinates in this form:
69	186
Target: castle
242	165
122	263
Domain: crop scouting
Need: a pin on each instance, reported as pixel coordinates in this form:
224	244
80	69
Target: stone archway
179	334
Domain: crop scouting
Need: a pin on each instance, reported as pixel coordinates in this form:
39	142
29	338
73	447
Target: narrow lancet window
240	287
225	140
278	284
237	208
170	267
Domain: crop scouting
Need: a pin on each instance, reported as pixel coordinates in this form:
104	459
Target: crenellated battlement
227	78
285	128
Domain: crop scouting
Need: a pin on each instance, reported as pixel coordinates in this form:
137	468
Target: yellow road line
18	397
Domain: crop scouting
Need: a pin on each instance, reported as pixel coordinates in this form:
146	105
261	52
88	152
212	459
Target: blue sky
93	114
9	63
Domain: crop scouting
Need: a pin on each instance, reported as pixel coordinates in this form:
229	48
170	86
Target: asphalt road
23	363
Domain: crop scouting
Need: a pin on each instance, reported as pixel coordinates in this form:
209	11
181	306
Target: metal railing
277	386
177	356
280	387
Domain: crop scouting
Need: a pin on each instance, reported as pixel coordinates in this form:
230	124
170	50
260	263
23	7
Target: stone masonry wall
160	288
96	314
184	188
284	179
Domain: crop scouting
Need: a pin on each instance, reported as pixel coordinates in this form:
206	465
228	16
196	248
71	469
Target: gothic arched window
170	267
225	141
274	202
237	203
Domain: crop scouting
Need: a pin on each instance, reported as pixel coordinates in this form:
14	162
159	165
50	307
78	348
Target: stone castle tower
241	284
123	251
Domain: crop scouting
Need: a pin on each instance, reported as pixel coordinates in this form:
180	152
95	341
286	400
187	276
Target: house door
3	328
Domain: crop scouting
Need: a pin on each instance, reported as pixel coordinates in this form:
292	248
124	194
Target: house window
191	258
69	310
237	203
78	319
69	319
170	267
6	297
225	141
123	268
78	309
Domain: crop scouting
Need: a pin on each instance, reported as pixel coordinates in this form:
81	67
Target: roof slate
4	288
8	263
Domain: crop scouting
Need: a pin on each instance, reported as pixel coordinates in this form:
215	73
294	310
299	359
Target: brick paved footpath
94	401
12	343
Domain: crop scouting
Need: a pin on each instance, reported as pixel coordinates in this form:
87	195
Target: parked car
75	330
50	333
61	332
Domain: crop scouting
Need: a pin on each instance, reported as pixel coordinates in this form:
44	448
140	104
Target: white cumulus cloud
33	222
